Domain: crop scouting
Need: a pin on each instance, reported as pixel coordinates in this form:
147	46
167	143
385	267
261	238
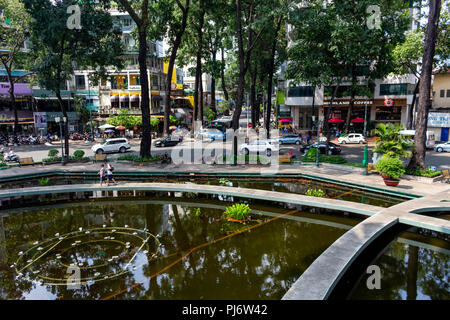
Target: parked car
112	145
290	139
442	147
332	148
352	138
260	146
169	141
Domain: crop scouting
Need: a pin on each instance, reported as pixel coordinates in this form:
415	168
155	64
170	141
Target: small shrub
428	172
78	154
53	153
238	211
2	164
391	167
315	193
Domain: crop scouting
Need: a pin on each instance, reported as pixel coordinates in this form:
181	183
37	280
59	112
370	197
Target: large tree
408	55
13	34
418	158
141	11
176	26
58	50
334	44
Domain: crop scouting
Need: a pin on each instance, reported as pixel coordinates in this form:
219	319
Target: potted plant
390	168
237	212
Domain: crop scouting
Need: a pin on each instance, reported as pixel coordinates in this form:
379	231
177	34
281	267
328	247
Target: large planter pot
391	182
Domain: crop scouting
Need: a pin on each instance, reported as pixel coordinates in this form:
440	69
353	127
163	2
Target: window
80	82
448	93
393	89
442	93
303	91
345	91
127	22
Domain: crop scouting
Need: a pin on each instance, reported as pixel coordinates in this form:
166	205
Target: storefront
44	122
439	123
339	109
390	110
25	120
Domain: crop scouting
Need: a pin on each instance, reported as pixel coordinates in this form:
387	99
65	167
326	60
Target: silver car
442	147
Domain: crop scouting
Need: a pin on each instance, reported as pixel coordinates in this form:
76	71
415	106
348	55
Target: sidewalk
334	172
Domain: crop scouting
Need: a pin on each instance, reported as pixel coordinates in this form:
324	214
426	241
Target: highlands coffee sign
346	102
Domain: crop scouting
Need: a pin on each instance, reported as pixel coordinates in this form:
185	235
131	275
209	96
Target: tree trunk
12	99
409	125
173	56
352	102
418	158
222	73
198	96
65	125
213	86
411	273
270	80
326	125
253	96
146	141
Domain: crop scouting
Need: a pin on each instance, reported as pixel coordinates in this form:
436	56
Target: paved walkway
321	277
328	171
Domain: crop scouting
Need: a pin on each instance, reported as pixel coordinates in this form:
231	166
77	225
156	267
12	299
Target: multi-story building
122	89
439	116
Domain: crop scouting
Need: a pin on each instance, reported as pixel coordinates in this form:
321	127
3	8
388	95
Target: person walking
109	172
102	174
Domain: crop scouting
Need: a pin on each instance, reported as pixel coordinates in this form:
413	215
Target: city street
352	152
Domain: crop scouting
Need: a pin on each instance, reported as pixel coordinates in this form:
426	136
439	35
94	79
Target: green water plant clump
390	167
315	193
44	181
238	211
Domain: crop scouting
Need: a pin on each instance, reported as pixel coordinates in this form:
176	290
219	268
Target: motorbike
10	158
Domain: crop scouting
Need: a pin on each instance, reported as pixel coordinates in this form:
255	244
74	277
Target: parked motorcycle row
8	141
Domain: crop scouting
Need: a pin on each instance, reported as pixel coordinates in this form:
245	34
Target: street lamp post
58	120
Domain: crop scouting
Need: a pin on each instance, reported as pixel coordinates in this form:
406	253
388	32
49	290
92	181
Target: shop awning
134	98
357	120
124	98
156	97
335	120
114	98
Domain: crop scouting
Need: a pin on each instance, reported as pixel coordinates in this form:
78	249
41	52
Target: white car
352	138
112	145
261	146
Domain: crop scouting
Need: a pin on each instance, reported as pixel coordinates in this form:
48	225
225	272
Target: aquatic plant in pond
44	181
238	211
315	193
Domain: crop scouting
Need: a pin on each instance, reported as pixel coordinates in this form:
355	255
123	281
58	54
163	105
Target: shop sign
439	120
20	89
346	102
388	102
73	116
40	119
8	116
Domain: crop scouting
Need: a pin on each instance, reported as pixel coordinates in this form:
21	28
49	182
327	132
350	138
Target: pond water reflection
160	248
